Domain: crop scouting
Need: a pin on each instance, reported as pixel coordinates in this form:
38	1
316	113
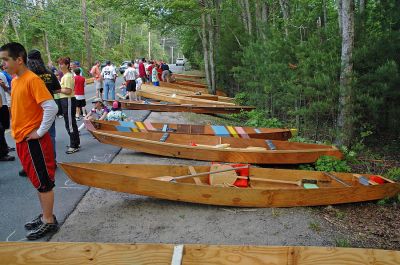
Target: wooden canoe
214	148
203	90
190	83
160	107
142	179
218	130
189	76
149	92
168	91
83	253
177	91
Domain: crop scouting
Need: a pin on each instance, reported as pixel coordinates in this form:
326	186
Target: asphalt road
19	202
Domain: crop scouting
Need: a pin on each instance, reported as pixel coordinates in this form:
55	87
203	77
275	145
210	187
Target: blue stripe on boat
127	124
220	130
165	128
257	130
123	129
270	145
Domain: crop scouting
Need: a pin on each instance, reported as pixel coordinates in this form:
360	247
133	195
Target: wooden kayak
203	90
160	107
218	130
190	83
150	92
174	92
281	188
214	148
83	253
188	76
200	95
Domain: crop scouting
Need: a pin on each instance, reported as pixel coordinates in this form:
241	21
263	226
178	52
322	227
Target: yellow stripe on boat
232	131
141	126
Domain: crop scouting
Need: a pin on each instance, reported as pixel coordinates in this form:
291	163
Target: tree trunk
205	48
211	53
286	14
248	17
121	34
87	35
344	121
325	13
340	13
243	14
6	21
46	46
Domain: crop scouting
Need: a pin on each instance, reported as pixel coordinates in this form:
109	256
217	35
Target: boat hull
125	178
158	107
233	155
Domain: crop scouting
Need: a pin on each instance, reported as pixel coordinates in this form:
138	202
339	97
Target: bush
258	119
394	174
330	163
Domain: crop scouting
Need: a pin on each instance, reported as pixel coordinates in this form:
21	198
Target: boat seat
270	145
164	137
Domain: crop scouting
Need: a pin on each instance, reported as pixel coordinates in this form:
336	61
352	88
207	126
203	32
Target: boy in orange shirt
30	131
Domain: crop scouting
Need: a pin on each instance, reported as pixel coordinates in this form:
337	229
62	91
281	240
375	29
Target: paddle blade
164	178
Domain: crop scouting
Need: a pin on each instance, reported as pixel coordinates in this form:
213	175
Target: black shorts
80	103
131	86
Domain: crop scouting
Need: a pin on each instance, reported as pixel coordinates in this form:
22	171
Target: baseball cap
97	100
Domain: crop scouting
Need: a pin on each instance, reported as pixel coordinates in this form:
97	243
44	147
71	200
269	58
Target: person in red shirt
79	90
159	71
142	70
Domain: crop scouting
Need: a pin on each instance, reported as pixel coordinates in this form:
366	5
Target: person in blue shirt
7	75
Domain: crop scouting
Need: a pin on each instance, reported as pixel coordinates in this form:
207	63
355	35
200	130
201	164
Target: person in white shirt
109	75
130	76
5	100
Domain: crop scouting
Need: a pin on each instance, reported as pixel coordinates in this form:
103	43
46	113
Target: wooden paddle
174	179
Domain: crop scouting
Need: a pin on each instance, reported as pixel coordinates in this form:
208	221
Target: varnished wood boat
218	130
177	91
214	148
275	191
203	90
187	76
150	92
190	83
83	253
160	107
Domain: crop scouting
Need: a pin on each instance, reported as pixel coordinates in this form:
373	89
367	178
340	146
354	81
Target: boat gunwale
244	150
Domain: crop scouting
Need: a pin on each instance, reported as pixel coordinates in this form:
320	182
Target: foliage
330	163
393	174
327	163
115	35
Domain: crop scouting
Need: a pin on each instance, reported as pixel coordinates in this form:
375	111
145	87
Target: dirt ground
106	216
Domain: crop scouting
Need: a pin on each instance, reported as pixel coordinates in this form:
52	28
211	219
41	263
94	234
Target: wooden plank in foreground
106	253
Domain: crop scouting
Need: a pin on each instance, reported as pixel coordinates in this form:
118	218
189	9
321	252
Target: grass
314	227
342	243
